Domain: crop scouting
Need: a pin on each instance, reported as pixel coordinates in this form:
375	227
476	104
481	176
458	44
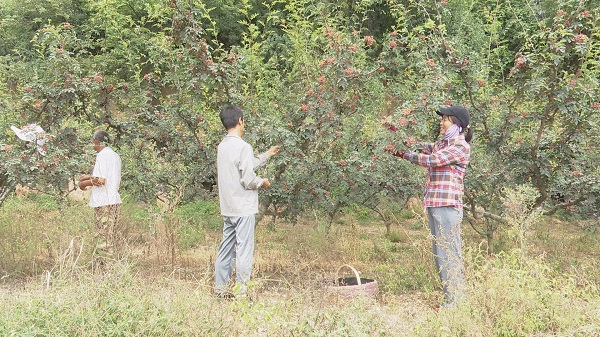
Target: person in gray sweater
238	198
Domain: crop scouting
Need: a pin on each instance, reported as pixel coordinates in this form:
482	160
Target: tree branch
565	205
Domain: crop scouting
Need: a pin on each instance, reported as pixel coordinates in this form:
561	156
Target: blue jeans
237	245
444	224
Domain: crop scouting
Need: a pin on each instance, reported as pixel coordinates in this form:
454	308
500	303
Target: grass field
160	284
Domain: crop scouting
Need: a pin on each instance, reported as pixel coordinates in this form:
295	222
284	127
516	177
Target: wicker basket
348	287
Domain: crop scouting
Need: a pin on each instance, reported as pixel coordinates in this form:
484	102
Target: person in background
446	161
238	197
105	181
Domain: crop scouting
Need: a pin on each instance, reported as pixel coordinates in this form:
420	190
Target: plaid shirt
446	163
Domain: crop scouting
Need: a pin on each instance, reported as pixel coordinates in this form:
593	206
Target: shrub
194	219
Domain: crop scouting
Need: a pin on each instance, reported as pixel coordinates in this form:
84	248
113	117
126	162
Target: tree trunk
6	187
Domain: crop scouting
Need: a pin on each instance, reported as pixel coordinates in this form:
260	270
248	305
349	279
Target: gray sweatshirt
237	181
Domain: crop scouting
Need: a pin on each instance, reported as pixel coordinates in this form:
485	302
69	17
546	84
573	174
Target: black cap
461	113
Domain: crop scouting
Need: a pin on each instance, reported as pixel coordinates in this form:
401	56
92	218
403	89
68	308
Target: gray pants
444	224
237	245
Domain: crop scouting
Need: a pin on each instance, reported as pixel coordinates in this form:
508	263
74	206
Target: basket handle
354	270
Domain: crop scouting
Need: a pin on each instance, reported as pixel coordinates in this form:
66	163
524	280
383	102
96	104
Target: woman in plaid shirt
446	161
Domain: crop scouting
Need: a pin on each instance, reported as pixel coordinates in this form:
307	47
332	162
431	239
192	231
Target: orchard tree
555	78
532	113
55	91
327	110
174	132
538	127
537	121
324	82
145	74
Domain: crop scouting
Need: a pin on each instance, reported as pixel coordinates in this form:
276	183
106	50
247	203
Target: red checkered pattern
446	163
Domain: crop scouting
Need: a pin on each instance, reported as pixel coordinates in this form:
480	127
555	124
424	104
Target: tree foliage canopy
323	79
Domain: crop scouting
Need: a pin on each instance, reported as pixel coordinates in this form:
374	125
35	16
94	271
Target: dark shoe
225	296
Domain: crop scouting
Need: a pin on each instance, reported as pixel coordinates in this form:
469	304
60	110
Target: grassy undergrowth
161	282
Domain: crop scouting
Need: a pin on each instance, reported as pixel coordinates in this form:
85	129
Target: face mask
452	131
